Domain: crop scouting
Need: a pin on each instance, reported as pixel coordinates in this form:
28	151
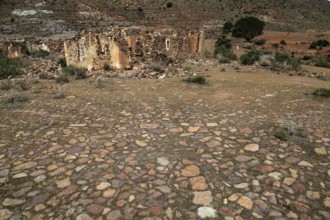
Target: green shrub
266	60
169	5
155	67
319	43
227	27
284	61
5	85
40	53
259	42
198	79
223	49
23	85
44	76
223	60
9	67
63	78
62	62
250	57
78	73
15	98
248	28
283	42
320	62
322	92
58	94
282	134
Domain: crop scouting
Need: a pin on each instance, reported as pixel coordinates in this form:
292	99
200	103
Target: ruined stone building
123	48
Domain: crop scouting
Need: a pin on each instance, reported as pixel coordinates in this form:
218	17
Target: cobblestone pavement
168	150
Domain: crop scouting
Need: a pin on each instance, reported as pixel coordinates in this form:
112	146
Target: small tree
248	28
227	27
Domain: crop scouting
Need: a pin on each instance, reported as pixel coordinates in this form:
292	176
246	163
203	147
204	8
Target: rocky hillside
61	18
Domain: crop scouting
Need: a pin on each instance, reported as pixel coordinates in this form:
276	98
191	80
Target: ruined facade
122	48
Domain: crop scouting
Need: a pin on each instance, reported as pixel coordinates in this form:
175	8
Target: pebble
191	171
5	214
202	198
246	202
252	147
13	202
103	186
207	212
163	161
198	183
305	164
63	183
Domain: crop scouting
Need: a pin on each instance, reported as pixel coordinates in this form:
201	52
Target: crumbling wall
23	47
122	48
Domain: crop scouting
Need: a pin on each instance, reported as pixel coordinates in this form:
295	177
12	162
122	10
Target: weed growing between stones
40	53
12	98
76	72
23	85
58	94
5	85
198	79
322	92
9	67
61	79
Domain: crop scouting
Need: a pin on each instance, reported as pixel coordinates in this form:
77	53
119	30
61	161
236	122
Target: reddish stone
150	166
121	203
69	190
292	159
128	169
114	215
268	180
82	160
299	188
301	207
187	162
156	210
266	168
95	209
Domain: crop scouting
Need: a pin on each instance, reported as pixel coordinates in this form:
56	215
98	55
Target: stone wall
123	48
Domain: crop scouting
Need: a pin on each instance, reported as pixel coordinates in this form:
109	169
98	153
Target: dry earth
162	149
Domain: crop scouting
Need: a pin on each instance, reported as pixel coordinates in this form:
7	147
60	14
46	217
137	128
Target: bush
227	27
319	43
15	98
248	28
58	94
155	67
266	60
169	5
259	42
62	62
63	78
23	85
223	60
319	62
198	79
250	57
40	53
322	92
9	67
283	42
78	73
284	61
223	49
5	85
44	76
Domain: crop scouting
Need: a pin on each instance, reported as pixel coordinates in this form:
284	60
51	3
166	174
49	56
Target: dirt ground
165	149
